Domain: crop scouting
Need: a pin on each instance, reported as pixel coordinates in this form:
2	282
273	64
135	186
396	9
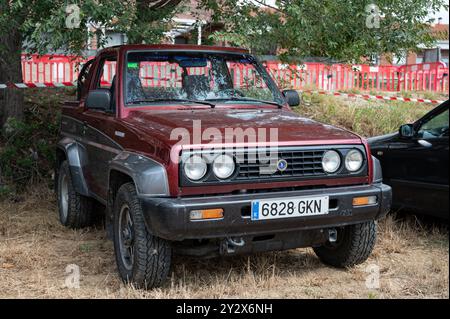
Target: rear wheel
143	260
353	246
75	210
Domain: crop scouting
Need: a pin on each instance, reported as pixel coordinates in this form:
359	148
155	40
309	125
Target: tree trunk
11	99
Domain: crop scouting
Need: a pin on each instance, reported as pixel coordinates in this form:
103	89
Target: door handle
84	128
424	143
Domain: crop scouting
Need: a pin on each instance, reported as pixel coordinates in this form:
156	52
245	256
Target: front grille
300	163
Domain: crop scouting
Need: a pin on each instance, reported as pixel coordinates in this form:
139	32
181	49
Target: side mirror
292	97
406	131
99	100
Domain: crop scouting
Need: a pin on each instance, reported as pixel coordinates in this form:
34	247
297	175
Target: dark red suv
194	150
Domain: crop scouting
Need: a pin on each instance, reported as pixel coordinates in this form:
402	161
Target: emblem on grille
282	165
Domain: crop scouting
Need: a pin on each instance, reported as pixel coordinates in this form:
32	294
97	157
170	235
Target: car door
418	165
98	130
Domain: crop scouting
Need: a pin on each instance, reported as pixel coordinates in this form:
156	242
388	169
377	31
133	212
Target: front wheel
75	210
353	246
143	260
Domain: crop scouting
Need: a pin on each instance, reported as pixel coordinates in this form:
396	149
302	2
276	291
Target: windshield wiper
171	100
247	100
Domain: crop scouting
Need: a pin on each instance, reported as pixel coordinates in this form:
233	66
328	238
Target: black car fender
75	154
149	176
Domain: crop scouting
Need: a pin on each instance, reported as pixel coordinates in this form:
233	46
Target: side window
435	127
82	78
105	79
107	73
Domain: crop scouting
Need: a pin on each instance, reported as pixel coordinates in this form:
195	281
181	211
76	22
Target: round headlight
331	161
354	160
223	166
195	167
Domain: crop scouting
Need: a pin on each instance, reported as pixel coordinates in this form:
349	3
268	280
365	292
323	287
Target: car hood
292	128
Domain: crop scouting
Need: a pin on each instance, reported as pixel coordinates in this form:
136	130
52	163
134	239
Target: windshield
158	77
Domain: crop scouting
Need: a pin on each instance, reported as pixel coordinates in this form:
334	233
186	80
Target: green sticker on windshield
133	65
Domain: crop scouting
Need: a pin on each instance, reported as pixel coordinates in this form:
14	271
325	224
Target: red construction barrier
424	77
334	77
418	77
50	68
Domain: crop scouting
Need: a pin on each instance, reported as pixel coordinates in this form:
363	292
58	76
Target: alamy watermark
373	16
72	16
72	280
373	277
262	141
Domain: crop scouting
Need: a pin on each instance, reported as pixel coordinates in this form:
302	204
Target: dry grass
413	261
365	117
35	250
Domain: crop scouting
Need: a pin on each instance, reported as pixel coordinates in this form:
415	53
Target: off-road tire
77	212
353	247
150	265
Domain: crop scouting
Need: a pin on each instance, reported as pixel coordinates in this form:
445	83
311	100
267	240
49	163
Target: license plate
289	207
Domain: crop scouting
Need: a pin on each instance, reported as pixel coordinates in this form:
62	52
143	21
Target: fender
76	157
149	176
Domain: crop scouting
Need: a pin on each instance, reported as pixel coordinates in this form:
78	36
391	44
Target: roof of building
440	31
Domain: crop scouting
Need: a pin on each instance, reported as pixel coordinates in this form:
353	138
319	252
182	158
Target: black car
415	163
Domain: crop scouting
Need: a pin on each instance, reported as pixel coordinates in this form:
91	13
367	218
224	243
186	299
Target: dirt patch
35	252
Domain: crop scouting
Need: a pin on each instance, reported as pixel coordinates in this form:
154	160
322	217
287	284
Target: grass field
35	251
412	257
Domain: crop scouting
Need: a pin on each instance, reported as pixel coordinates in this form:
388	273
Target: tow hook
332	235
229	245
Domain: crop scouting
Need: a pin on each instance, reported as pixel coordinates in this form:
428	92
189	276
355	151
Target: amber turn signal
206	214
366	200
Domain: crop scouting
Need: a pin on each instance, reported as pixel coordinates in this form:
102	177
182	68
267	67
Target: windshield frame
271	85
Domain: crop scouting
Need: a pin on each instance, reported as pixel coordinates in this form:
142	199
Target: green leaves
334	29
44	23
346	31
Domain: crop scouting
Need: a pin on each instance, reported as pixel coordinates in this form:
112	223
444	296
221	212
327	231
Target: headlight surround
223	166
354	160
195	167
331	161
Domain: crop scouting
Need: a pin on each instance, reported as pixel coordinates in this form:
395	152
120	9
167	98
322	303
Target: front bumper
168	218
